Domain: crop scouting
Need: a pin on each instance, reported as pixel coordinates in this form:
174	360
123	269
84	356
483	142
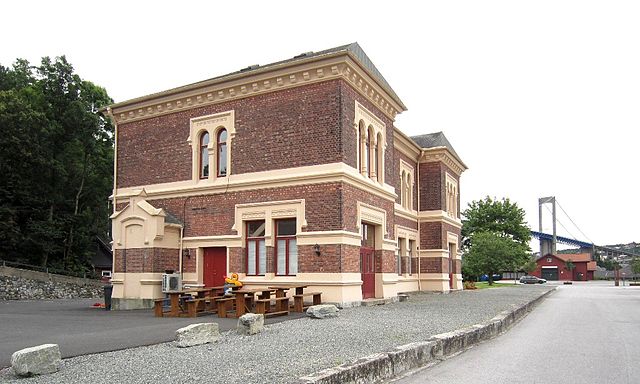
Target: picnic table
183	302
299	295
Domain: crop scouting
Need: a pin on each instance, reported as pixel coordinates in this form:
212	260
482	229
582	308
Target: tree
56	156
498	216
491	253
570	266
635	266
529	266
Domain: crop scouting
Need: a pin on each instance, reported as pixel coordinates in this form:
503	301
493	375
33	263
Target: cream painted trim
329	237
438	216
406	233
389	245
433	253
150	282
212	124
451	195
405	145
263	80
270	211
435	277
403	213
315	174
443	154
452	238
229	241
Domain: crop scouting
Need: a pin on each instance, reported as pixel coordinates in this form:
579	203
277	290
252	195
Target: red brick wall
350	198
211	215
406	222
434	265
434	235
139	260
432	193
281	129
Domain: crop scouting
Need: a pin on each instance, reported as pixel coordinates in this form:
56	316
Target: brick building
554	267
288	172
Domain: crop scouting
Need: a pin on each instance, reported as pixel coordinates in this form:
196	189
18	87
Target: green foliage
492	253
497	216
529	266
569	265
635	265
56	156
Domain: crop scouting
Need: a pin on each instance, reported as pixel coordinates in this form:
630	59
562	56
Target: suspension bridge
549	241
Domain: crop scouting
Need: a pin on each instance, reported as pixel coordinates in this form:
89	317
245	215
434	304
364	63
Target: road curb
406	357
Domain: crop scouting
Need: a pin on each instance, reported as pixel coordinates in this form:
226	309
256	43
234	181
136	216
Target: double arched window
406	186
220	159
370	148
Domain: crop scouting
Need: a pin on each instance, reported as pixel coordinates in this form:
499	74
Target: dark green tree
492	253
56	156
497	216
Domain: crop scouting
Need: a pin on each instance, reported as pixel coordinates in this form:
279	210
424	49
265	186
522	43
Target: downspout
418	204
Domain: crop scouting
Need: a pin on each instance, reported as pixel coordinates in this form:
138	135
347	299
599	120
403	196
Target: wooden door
368	272
214	266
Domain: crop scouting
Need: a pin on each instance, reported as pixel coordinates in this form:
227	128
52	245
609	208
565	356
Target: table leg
174	300
240	305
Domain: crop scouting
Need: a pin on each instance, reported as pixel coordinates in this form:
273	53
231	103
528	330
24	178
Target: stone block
250	324
38	360
322	311
196	334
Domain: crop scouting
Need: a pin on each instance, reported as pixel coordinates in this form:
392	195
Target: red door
451	271
215	266
368	273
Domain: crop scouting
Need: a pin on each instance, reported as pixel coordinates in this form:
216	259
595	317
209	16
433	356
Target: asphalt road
583	333
80	329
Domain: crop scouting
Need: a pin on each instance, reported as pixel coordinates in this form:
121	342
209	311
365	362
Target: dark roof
353	48
171	218
433	140
102	257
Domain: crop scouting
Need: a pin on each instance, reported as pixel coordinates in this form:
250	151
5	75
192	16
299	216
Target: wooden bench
224	305
201	305
298	300
160	305
263	306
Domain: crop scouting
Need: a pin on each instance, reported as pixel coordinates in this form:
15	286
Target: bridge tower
547	246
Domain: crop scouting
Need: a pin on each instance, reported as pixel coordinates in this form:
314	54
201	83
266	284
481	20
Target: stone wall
20	284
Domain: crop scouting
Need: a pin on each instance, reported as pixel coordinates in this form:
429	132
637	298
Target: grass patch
485	285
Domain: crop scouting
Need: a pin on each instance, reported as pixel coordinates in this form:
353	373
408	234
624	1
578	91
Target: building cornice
438	216
315	174
341	65
444	155
405	145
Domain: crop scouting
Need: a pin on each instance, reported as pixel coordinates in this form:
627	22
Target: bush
470	285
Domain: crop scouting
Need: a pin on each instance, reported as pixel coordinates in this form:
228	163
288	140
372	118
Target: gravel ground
288	350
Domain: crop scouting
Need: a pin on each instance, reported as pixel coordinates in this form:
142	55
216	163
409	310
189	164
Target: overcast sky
539	98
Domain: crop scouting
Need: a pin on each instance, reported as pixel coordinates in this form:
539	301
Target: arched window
367	153
378	160
222	152
409	197
360	137
204	155
403	194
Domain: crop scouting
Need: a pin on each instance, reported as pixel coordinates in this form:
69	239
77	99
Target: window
368	235
406	186
222	152
286	247
256	248
412	245
548	259
451	196
106	273
204	155
367	153
401	253
370	144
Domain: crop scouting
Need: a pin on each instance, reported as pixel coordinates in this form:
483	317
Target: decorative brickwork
413	224
138	260
350	198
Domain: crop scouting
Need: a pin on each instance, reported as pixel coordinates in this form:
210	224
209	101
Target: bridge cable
573	222
562	225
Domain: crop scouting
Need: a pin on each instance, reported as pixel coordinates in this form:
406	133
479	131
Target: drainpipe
418	204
